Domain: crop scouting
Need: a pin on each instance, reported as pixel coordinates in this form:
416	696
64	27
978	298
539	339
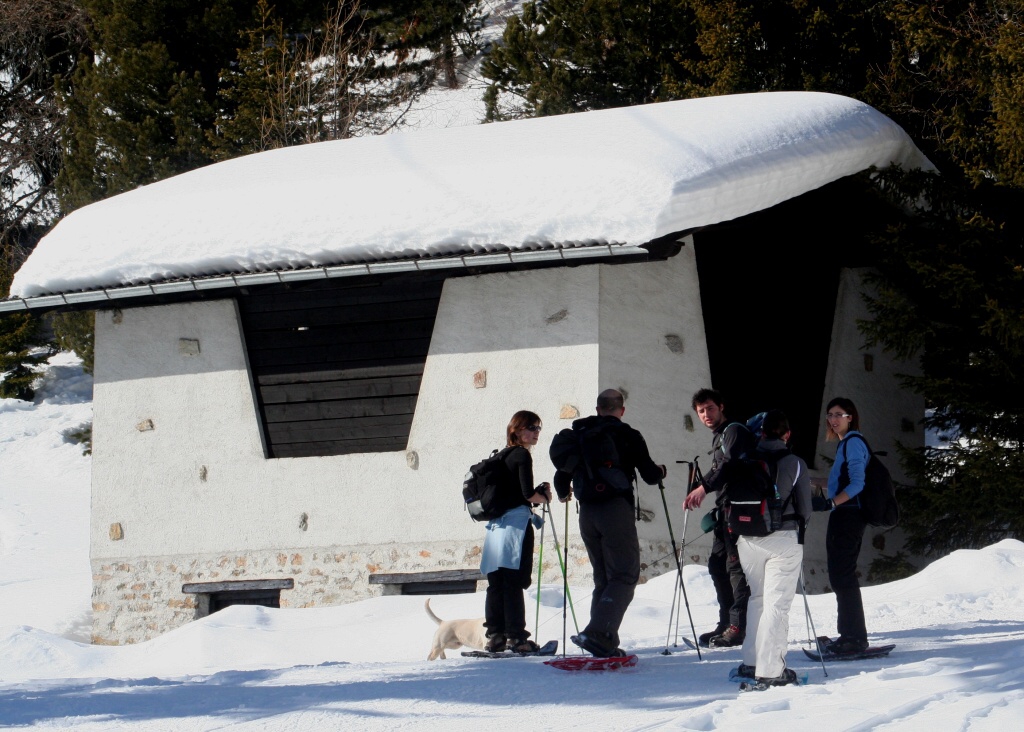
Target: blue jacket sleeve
854	453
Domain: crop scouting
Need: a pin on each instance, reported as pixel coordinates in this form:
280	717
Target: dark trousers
729	580
609	533
842	543
505	607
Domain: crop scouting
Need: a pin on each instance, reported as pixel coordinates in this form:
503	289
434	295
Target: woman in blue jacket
846	524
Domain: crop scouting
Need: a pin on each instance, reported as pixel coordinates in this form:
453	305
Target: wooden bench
439	582
214	596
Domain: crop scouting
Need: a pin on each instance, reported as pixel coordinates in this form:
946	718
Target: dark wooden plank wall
337	366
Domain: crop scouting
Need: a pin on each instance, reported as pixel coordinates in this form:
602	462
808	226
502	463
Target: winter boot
522	646
745	672
600	647
761	683
843	646
495	643
704	638
732	636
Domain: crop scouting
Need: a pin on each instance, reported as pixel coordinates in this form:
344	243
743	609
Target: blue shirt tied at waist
503	543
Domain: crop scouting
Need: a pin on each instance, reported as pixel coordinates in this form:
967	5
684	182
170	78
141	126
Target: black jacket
730	441
516	486
633	454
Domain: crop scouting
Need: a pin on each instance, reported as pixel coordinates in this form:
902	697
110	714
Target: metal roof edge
570	255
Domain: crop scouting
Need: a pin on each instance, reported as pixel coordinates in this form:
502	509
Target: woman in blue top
846	524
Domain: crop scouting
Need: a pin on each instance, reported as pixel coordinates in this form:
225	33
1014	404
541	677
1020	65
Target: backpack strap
774	472
863	439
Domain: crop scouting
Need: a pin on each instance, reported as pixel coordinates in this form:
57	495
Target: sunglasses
837	415
532	428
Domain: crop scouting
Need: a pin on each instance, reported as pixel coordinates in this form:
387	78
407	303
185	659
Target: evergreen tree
255	110
564	56
76	331
572	55
951	295
784	45
955	81
39	42
353	73
137	111
442	27
22	343
950	290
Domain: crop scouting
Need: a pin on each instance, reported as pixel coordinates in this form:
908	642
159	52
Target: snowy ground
958	626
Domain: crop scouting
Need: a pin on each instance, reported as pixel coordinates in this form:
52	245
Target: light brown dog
452	634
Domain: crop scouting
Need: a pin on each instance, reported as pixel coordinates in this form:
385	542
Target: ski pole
540	573
807	610
686	515
671	615
567	598
682	562
563	565
679	569
674	611
676	600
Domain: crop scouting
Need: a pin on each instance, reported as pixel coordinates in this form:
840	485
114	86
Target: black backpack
753	506
590	455
878	499
482	484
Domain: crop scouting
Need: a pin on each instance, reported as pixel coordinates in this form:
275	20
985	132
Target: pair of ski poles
680	587
563	560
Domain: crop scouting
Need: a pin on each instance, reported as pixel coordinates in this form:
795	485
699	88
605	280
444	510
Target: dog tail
431	612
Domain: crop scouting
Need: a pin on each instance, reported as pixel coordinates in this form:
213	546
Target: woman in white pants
772	564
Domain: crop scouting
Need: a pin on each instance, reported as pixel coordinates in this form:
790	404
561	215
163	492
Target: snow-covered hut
299	352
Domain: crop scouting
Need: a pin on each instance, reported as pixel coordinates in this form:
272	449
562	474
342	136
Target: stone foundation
136	600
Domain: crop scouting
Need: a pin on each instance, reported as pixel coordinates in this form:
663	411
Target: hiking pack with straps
591	456
878	498
481	485
753	506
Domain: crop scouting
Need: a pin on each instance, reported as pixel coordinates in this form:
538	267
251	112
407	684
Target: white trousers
772	567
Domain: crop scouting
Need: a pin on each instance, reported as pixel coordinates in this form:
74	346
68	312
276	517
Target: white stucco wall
653	349
182	491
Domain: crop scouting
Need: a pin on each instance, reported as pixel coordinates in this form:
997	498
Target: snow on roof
617	176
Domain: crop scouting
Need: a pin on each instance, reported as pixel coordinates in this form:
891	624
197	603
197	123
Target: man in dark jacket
729	441
607	523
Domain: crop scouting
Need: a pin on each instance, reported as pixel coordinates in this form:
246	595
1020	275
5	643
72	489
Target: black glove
820	503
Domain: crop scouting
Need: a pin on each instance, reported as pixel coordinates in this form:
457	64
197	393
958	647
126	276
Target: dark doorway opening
769	283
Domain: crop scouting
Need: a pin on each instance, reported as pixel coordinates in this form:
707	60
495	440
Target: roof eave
127	295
